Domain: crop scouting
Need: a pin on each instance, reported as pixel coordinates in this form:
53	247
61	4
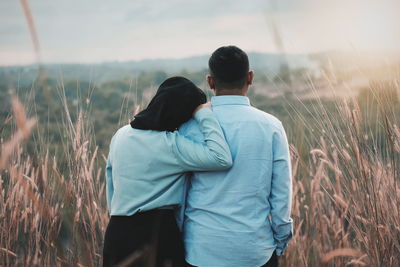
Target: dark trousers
148	239
272	262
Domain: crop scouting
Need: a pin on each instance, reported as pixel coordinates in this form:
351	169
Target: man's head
229	71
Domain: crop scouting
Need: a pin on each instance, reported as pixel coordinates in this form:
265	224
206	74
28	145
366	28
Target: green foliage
112	103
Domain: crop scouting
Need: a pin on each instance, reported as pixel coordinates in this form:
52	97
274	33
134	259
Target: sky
92	31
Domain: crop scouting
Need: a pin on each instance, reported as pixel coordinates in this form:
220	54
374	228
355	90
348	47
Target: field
345	155
341	111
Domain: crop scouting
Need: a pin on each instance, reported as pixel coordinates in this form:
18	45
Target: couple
214	190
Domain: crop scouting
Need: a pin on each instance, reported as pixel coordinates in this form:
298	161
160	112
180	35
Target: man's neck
222	92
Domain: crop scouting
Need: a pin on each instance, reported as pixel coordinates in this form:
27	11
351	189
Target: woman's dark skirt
149	238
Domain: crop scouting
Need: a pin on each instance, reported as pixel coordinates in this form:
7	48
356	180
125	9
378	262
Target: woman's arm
109	179
212	155
109	184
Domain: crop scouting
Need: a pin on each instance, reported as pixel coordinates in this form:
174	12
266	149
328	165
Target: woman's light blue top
145	169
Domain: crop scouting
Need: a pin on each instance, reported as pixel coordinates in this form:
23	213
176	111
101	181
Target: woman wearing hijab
145	175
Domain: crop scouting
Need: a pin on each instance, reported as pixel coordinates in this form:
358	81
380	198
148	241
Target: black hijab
173	104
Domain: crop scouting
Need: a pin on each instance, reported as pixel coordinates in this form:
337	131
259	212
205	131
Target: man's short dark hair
229	66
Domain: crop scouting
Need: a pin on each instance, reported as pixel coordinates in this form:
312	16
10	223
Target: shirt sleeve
109	181
212	155
280	198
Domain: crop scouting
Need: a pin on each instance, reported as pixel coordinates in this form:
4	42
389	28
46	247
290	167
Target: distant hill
267	63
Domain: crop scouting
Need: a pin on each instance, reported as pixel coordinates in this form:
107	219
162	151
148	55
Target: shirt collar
230	100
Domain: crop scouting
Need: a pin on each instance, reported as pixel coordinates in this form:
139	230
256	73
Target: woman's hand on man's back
205	105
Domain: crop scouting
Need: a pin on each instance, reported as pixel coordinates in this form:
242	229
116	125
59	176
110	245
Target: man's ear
211	82
250	77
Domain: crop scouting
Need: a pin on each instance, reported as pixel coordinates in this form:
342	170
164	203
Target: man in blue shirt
239	217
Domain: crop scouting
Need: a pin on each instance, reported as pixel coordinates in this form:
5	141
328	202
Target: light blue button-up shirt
145	169
238	217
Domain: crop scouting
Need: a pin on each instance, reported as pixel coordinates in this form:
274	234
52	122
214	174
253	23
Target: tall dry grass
345	203
50	217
